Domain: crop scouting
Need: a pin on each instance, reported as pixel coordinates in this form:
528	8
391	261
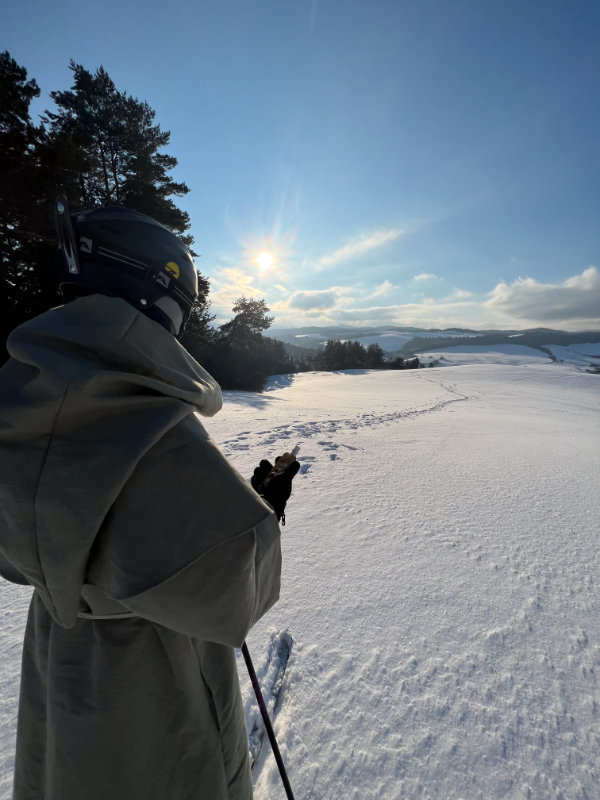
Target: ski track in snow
281	435
440	581
271	677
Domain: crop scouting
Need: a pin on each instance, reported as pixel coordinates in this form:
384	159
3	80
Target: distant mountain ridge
407	341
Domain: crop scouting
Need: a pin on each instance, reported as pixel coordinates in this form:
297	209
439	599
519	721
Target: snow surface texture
440	582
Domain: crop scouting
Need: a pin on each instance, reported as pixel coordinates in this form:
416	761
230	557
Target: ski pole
267	721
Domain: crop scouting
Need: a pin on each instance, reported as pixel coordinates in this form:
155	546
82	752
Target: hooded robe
149	555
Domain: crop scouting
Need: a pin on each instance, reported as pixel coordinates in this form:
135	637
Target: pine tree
115	150
374	356
17	165
27	243
250	319
199	332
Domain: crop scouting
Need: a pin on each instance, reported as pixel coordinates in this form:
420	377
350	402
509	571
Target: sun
264	261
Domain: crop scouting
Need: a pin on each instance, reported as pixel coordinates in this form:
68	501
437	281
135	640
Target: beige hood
90	387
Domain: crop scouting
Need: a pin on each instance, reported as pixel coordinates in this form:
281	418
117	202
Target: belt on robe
99	606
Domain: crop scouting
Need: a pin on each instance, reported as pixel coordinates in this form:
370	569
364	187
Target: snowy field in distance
579	355
440	581
508	354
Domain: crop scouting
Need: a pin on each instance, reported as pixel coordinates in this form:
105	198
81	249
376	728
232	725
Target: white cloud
459	294
380	291
226	286
359	247
309	301
574	303
428	314
229	281
343	305
425	276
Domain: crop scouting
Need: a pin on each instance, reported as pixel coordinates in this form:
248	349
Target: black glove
278	489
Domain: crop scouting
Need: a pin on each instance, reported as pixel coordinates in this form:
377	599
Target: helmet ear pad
171	308
156	314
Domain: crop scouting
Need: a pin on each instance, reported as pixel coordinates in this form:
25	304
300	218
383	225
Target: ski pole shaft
267	721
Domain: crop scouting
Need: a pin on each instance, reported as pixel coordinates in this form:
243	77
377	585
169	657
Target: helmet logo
163	280
172	269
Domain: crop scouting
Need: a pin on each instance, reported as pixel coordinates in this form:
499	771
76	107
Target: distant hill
389	338
407	341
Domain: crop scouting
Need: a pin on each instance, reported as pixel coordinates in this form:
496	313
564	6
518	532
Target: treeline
239	356
338	355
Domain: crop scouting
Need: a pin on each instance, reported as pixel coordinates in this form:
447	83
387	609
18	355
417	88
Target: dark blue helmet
120	252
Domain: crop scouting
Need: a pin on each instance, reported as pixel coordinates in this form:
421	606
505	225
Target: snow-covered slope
513	354
440	583
579	355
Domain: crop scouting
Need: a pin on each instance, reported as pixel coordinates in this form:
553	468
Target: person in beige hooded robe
150	559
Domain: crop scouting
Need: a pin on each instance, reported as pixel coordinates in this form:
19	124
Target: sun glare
264	261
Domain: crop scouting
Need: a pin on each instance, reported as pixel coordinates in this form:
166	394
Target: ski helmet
123	253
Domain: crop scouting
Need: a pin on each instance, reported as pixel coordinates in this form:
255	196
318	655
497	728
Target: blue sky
402	162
